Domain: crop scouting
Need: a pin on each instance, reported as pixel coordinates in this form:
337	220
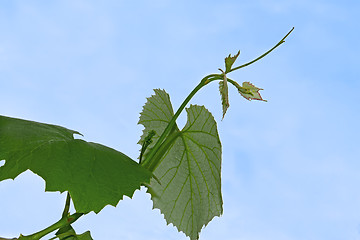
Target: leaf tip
230	60
78	133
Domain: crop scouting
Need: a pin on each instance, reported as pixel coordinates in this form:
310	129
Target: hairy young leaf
94	175
254	92
229	61
224	93
249	91
188	192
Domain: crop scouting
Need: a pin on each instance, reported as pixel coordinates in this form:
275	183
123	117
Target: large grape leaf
188	186
94	175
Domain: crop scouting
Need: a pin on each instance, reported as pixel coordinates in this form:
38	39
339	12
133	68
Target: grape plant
180	168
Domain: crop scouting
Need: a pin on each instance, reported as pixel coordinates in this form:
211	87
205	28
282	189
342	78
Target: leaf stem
257	59
67	205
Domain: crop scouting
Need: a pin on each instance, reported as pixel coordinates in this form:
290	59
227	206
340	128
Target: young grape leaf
229	61
188	189
93	174
224	93
249	91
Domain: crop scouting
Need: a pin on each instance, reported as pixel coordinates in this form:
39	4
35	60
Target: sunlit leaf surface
94	175
189	192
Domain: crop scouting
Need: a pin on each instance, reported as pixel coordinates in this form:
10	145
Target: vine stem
257	59
151	163
64	221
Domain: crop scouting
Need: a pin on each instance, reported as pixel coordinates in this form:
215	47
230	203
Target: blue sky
290	166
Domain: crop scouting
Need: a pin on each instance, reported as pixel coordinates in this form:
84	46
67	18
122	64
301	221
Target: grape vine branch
181	169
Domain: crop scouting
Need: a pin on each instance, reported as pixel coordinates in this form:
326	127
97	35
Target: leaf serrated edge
243	91
168	222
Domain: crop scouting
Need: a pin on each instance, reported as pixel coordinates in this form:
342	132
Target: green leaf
85	236
224	93
251	92
188	192
68	233
93	174
229	61
71	235
248	91
155	116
